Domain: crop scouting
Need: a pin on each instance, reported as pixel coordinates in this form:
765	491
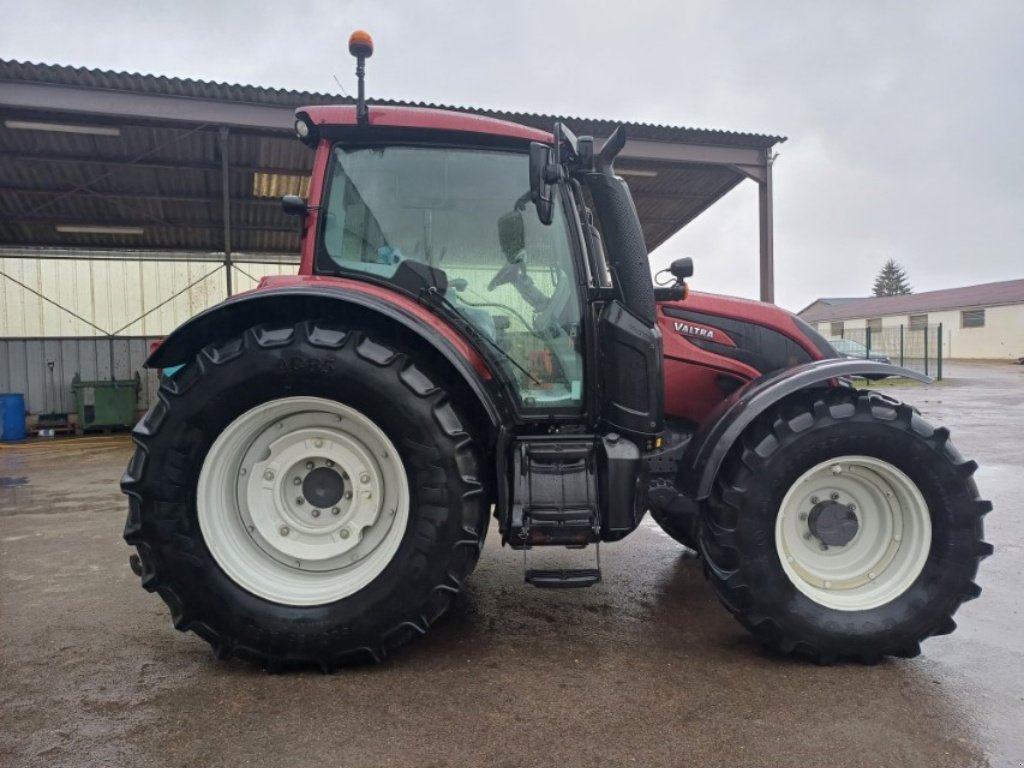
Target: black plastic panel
624	239
623	486
631	371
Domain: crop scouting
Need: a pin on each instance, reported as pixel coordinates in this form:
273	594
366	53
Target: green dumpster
105	404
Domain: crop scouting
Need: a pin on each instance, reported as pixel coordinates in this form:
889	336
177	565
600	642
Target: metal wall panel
43	368
86	297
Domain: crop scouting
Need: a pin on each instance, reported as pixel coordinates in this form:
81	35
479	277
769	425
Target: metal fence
42	369
919	349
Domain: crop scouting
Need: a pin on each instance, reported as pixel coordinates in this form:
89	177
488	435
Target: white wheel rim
885	555
291	536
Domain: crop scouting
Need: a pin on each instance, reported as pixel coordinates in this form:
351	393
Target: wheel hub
323	487
833	523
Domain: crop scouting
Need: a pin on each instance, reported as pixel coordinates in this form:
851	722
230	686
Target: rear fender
724	425
295	303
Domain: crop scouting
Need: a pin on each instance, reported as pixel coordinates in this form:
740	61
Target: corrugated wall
97	317
96	297
42	369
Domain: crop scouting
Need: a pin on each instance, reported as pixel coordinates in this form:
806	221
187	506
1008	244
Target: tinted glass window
468	213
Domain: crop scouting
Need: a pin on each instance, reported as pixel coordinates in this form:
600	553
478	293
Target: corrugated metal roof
202	89
983	295
165	177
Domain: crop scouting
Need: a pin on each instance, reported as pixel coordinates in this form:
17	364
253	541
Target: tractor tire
844	527
682	528
306	496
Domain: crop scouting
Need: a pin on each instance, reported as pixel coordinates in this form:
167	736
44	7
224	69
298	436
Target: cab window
468	213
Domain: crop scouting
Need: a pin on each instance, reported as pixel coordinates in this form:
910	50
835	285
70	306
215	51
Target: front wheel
843	526
305	495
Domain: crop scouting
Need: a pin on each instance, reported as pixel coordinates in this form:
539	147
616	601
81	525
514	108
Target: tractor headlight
301	128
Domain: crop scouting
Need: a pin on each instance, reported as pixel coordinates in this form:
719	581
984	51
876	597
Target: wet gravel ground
644	669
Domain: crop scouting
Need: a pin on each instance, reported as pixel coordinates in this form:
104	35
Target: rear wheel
305	495
844	526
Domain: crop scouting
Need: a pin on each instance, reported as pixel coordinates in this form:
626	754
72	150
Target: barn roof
965	297
138	164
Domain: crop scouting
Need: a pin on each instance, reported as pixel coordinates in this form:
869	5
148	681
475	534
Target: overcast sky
904	118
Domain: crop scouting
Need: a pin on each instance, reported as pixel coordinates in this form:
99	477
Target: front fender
724	425
298	300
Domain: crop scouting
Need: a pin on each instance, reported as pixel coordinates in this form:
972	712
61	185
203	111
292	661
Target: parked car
851	348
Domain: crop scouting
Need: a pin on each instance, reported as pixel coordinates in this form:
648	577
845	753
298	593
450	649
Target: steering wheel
509	271
549	320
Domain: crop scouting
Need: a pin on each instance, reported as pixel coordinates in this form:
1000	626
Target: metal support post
938	357
764	190
925	332
226	199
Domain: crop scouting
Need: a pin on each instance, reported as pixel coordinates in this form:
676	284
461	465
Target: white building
979	322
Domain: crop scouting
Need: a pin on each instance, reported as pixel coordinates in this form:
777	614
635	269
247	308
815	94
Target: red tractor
474	332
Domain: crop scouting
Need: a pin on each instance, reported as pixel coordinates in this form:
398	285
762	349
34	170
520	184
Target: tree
892	280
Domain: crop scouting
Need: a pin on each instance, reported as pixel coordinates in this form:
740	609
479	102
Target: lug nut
299	500
330	463
243	471
344	475
348	494
268	475
852	507
364	478
823	546
836	469
344	533
309	465
367	495
318	443
814	499
316	513
284	530
834	496
335	511
296	481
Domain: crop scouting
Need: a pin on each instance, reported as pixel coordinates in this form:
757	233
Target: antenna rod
360	45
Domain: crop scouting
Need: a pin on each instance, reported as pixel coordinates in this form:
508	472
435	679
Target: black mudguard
297	303
723	426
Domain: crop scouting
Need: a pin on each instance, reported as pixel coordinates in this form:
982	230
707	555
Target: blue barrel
12	417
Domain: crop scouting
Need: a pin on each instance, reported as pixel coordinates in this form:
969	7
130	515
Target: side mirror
293	205
540	187
682	268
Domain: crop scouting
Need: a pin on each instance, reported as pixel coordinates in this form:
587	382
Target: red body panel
316	194
425	119
692	373
392	297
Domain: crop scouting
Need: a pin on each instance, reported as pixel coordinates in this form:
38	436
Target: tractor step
565	578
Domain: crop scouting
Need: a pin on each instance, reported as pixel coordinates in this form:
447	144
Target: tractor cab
485	223
459	220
